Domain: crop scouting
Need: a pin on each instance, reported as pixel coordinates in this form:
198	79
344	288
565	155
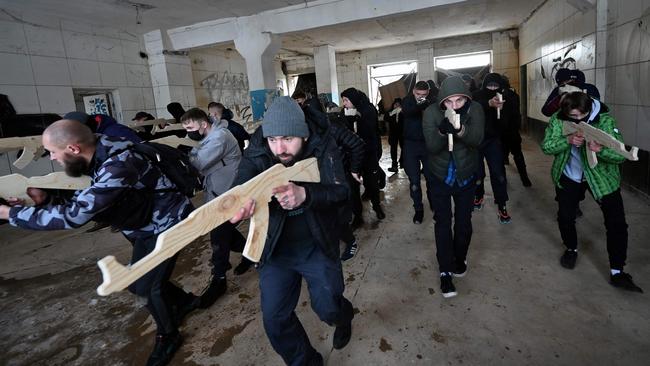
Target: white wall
352	67
619	60
42	59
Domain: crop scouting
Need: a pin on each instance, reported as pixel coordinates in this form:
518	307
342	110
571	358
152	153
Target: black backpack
133	208
174	164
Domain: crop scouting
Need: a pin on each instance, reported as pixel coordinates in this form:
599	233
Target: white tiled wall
557	27
43	59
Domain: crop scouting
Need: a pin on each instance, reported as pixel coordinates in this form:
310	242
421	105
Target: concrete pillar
258	49
601	48
171	74
326	80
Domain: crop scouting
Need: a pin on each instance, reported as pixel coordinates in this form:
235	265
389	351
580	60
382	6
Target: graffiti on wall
231	90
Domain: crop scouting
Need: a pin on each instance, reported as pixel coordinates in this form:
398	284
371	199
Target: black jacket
494	127
236	129
367	127
323	199
413	118
350	145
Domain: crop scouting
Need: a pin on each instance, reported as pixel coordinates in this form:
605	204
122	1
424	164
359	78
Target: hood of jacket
357	97
453	85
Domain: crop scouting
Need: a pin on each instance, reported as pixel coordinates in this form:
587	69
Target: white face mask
350	111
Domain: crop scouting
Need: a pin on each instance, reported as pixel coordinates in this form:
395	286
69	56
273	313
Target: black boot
378	210
217	288
343	332
180	311
164	349
524	180
393	168
243	266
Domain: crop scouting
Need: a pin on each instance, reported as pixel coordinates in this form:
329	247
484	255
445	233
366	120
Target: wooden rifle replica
171	127
593	134
175	141
15	185
454	119
32	147
151	122
500	99
207	217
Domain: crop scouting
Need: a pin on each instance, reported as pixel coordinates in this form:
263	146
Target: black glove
446	127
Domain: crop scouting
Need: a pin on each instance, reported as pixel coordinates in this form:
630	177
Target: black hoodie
367	127
493	126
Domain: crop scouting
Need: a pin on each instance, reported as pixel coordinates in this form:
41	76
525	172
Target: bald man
125	185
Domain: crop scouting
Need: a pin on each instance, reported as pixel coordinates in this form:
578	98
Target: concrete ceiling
471	16
154	14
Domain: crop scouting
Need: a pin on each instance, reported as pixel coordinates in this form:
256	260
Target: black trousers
395	139
415	163
511	144
452	247
223	238
163	297
492	152
568	198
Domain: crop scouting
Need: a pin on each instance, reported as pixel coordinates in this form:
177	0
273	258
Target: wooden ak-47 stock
175	141
209	216
593	134
15	185
454	119
32	147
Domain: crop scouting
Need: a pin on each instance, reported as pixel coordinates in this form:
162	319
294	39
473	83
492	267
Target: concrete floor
516	306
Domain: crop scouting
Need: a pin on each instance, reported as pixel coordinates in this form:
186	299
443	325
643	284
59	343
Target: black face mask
195	135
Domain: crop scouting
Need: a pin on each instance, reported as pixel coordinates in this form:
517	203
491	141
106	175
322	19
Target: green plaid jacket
605	177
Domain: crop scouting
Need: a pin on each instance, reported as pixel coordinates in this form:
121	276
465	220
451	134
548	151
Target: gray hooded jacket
217	159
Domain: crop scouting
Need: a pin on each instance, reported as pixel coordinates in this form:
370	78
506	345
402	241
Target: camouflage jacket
111	171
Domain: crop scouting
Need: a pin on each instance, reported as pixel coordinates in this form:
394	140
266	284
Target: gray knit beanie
284	118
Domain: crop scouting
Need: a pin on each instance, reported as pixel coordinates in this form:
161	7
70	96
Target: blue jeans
280	283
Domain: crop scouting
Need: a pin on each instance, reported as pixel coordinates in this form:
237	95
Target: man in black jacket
491	149
415	156
219	111
302	239
365	116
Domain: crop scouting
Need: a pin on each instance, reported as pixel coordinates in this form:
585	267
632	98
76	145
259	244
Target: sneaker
624	280
380	213
393	169
164	349
504	218
343	333
461	269
243	266
418	217
568	259
217	288
350	251
446	286
478	203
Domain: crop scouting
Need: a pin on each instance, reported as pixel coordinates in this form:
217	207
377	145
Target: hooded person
453	174
567	80
510	137
365	116
219	111
491	148
104	124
